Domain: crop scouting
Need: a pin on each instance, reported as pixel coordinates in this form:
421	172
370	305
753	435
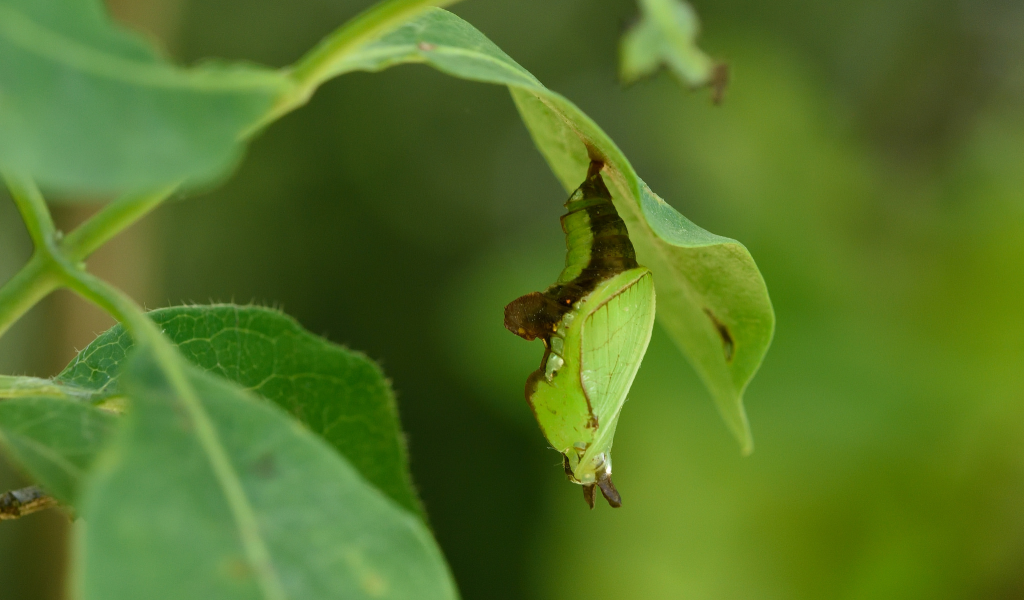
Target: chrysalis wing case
595	322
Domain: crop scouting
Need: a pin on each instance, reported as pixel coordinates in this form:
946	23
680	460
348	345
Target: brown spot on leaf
370	580
723	332
237	569
265	467
374	585
426	46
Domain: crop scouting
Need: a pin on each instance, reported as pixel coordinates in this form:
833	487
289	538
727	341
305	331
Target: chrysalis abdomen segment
597	248
596	240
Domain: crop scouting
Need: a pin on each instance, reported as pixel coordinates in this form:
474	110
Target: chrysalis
595	322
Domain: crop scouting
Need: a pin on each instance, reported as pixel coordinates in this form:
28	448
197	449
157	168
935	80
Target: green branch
34	282
32	207
317	65
37	278
43	273
111	220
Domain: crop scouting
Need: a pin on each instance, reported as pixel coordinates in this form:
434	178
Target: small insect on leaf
595	322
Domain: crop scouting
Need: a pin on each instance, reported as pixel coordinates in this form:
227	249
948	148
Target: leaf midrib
256	550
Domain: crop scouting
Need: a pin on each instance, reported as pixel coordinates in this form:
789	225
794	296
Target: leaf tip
735	417
747	446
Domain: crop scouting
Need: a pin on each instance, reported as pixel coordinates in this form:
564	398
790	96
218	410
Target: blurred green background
870	155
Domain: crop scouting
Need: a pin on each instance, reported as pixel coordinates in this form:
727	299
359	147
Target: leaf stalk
111	220
34	212
54	257
318	65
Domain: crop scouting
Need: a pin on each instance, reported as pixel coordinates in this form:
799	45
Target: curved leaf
210	492
711	297
339	394
88	106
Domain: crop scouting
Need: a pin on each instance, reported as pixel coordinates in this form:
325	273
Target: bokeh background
869	153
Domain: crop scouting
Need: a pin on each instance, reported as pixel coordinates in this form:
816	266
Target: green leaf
50	433
211	492
666	34
54	440
339	394
88	106
711	296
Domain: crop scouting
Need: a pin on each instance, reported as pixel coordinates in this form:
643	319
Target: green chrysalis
595	322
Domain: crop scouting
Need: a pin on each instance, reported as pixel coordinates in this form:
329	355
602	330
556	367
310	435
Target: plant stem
313	68
33	210
318	65
110	299
109	221
38	277
30	285
42	274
